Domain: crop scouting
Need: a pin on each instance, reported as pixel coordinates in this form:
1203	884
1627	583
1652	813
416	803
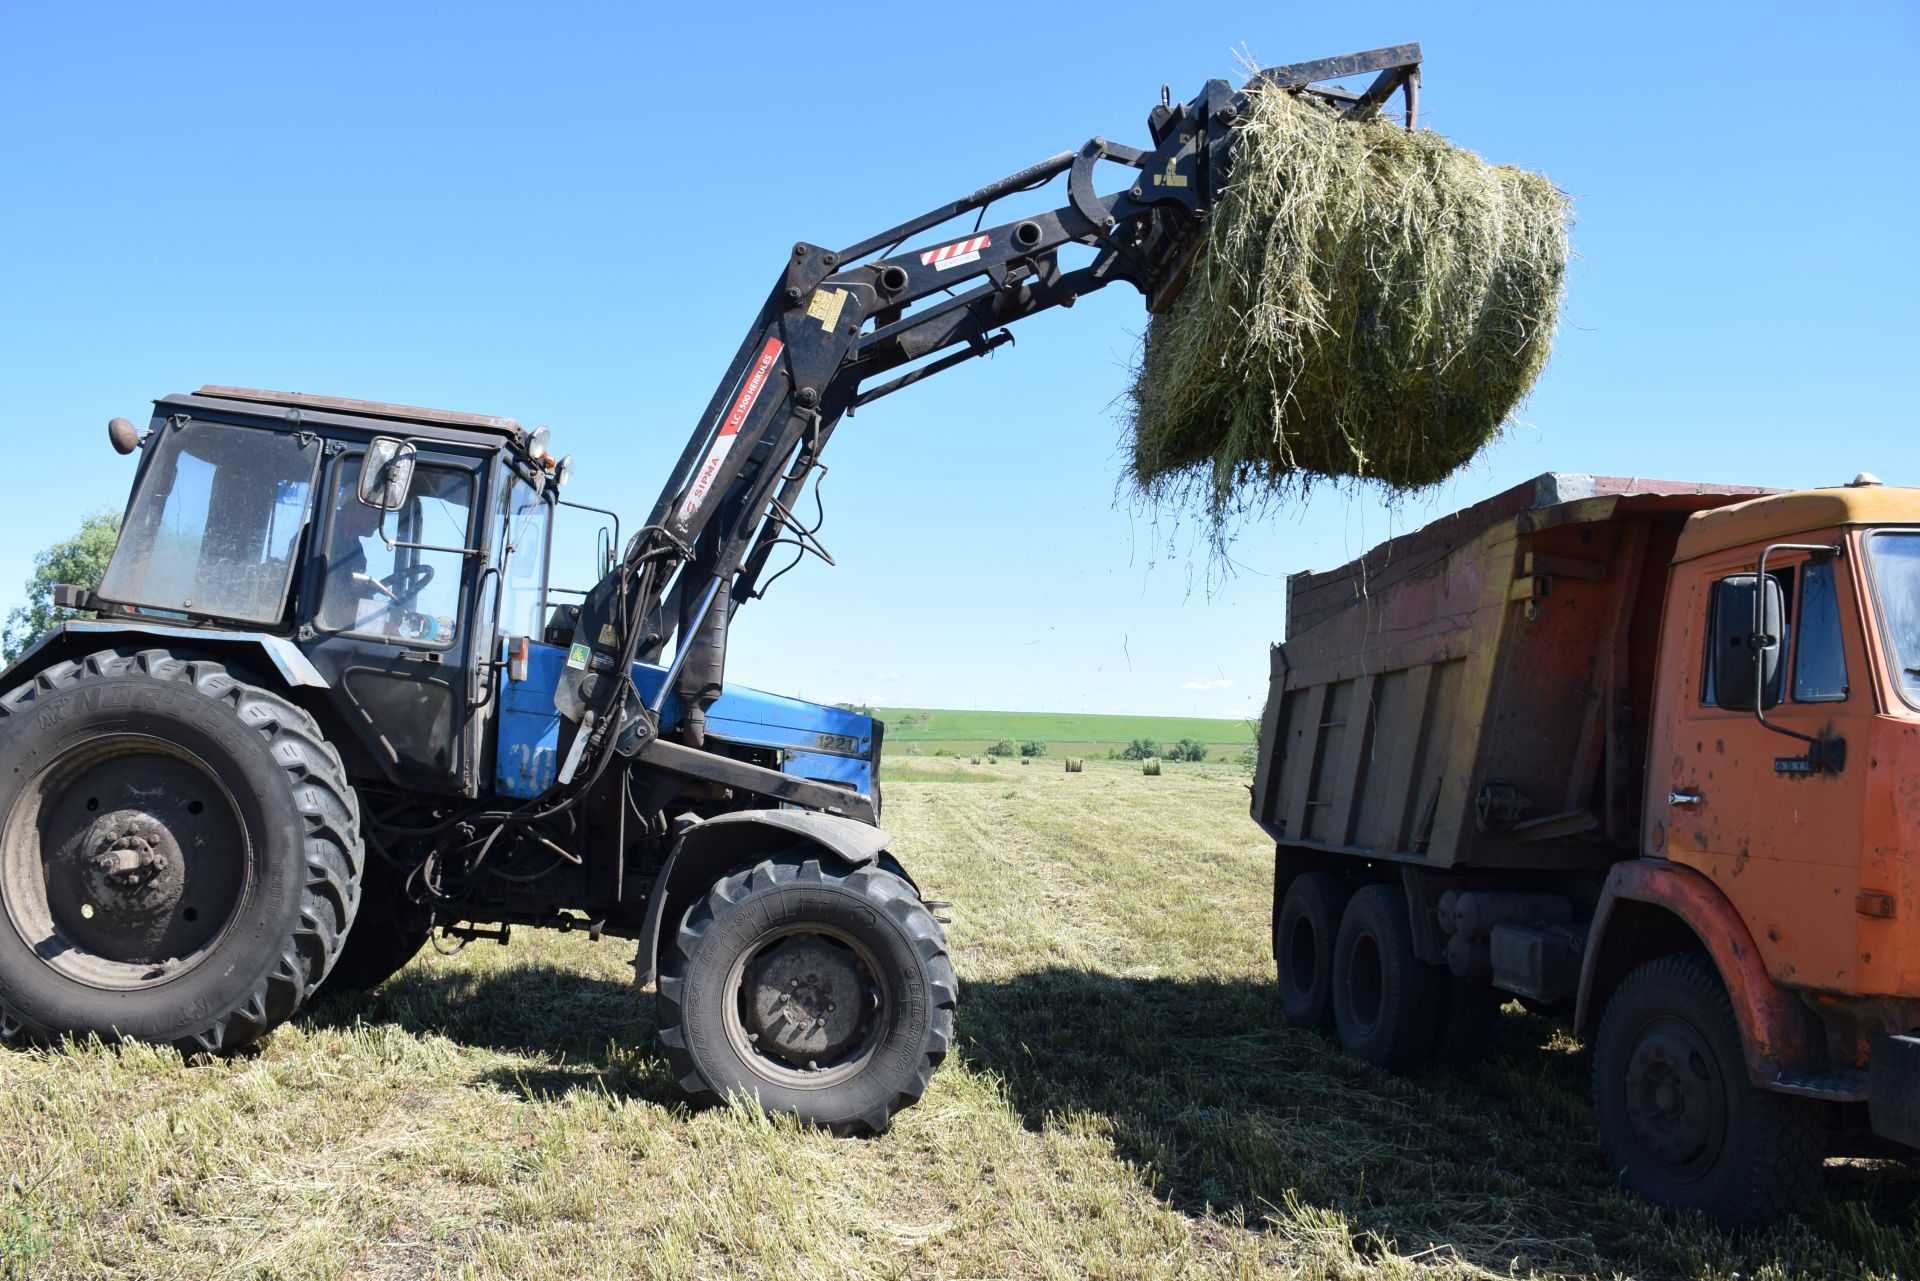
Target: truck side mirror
1747	626
387	474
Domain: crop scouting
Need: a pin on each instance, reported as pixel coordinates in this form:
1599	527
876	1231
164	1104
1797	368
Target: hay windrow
1373	303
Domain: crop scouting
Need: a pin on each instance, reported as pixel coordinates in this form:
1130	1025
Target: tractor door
391	610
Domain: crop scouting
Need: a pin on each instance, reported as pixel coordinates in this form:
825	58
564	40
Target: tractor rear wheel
179	853
819	991
387	932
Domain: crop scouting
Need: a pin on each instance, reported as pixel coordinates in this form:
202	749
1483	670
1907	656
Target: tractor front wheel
179	854
821	992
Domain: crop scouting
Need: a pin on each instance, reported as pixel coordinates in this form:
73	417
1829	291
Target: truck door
1726	796
390	609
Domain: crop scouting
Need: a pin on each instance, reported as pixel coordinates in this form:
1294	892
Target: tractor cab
386	546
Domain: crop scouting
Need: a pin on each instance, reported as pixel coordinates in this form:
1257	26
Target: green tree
1033	747
1005	747
1187	749
79	560
1140	749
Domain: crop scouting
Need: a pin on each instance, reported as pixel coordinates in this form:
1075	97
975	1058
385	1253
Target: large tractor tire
1680	1121
1304	929
821	992
179	854
1385	998
387	932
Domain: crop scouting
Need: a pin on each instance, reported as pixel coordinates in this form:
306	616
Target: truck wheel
1469	1012
383	938
822	993
1680	1121
1384	996
1303	932
179	854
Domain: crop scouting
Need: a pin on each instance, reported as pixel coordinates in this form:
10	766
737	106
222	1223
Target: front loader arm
837	321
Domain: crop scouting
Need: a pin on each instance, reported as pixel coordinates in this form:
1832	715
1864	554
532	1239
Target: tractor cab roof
301	409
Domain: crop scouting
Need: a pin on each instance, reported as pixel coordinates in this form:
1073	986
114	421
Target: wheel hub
804	1000
1672	1099
134	871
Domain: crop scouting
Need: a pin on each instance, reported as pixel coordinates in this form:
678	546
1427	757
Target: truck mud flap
1893	1088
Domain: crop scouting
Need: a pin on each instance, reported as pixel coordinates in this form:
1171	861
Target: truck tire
1385	997
1468	1014
1303	933
1680	1122
179	854
382	939
855	952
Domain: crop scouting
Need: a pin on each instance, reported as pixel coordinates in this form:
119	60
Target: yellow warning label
607	636
1172	177
825	306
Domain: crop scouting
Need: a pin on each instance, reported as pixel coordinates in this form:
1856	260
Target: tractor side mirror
387	474
1747	634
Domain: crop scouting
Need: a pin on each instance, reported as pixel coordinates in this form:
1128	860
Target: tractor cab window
396	575
523	551
214	525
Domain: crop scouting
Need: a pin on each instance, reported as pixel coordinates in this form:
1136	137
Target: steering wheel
402	585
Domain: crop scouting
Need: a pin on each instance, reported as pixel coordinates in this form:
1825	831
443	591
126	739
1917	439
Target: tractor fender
82	635
1646	908
709	849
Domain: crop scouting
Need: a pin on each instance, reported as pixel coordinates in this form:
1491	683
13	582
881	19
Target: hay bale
1150	767
1373	303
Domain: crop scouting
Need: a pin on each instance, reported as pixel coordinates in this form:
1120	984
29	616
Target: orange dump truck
1646	752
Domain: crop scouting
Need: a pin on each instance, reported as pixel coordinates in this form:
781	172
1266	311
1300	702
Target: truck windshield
214	524
1895	557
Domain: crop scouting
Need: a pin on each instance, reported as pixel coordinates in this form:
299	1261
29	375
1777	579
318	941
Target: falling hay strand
1373	303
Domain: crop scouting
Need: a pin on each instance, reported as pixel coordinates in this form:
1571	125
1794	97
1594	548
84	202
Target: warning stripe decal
730	428
960	251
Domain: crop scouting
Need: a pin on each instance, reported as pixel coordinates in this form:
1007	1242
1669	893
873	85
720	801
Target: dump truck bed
1476	692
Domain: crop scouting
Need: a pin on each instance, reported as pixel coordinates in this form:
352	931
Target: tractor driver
353	599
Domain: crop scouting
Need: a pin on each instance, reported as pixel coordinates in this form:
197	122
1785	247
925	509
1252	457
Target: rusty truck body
1644	752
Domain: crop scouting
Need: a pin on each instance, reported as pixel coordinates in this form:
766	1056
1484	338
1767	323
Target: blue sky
568	214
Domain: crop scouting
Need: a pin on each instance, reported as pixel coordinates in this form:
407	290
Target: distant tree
1187	749
1033	747
1140	749
907	722
1005	747
859	709
79	560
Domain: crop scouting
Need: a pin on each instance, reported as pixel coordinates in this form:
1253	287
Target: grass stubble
1124	1101
1372	305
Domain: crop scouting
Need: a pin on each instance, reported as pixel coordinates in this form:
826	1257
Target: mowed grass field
932	729
1123	1101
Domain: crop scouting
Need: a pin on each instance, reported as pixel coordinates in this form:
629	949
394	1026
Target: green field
1123	1101
934	729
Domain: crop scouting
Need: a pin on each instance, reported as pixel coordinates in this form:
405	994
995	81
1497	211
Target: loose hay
1373	303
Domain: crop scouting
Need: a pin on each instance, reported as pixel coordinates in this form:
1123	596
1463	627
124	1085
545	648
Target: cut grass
1124	1101
1373	304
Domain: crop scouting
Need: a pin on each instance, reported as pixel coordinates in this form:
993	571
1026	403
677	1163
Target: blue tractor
330	702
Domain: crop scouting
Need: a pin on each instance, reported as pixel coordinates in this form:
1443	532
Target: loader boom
838	322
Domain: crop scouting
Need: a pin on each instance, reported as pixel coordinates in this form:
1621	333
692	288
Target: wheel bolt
784	998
